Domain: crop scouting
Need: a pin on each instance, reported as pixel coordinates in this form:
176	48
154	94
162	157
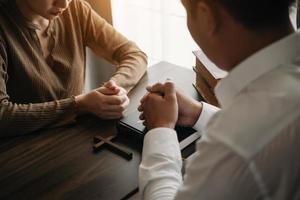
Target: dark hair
258	14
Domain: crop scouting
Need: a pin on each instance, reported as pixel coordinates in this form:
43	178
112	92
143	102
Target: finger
115	100
142	117
140	108
170	92
122	91
145	123
111	84
158	87
143	99
154	97
125	104
148	88
107	91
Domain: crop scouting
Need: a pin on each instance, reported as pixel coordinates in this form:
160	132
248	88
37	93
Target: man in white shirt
249	148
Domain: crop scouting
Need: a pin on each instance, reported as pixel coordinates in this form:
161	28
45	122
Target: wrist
79	102
162	125
196	114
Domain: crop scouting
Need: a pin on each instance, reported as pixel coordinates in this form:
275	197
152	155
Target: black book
131	127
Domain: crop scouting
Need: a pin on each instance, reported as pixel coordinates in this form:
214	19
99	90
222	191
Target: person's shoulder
259	113
283	82
278	90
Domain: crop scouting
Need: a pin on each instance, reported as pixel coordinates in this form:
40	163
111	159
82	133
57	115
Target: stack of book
207	76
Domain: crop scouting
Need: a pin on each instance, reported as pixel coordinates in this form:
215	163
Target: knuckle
169	84
118	100
140	108
122	108
159	84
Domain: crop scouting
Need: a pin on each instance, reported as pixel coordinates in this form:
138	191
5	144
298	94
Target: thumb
156	88
170	91
106	91
111	84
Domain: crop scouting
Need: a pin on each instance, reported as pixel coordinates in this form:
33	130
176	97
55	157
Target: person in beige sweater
42	64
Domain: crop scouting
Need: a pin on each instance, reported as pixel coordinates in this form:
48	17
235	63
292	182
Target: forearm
20	119
132	65
108	43
160	169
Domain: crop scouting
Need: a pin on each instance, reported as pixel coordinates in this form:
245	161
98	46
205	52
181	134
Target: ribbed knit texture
36	93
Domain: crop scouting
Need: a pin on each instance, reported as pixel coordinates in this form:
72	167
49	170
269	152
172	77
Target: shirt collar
283	51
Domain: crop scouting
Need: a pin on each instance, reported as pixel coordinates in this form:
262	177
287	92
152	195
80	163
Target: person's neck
242	44
34	18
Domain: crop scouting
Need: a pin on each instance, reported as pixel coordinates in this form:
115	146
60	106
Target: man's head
256	14
47	9
215	24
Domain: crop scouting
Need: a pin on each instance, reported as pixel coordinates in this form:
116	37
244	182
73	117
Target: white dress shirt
249	149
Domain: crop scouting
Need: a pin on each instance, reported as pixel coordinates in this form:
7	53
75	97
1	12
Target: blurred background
157	26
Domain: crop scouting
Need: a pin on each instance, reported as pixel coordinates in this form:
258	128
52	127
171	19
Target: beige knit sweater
36	93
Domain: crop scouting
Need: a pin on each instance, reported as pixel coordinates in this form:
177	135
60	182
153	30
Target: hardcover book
207	76
131	127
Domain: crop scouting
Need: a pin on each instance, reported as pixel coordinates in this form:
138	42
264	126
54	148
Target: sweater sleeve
20	119
106	42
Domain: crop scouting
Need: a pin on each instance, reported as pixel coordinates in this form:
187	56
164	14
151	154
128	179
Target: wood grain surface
60	164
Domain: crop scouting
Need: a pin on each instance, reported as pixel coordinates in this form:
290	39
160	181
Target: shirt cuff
161	141
207	112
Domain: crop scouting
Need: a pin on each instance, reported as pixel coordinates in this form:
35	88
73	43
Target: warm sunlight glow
158	27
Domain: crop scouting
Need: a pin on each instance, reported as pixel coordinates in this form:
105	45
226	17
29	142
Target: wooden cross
100	142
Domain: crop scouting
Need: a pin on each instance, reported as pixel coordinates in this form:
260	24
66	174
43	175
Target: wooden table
60	163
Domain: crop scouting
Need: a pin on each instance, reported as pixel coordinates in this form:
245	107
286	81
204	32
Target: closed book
132	129
208	70
205	91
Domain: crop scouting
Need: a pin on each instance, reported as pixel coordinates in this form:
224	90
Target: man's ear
207	16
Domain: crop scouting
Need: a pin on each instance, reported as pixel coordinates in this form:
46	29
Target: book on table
207	76
132	129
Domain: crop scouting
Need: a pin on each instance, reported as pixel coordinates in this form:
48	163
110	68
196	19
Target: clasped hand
106	102
159	106
165	106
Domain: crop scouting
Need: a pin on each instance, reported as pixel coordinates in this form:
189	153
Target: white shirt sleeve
160	169
208	111
215	172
